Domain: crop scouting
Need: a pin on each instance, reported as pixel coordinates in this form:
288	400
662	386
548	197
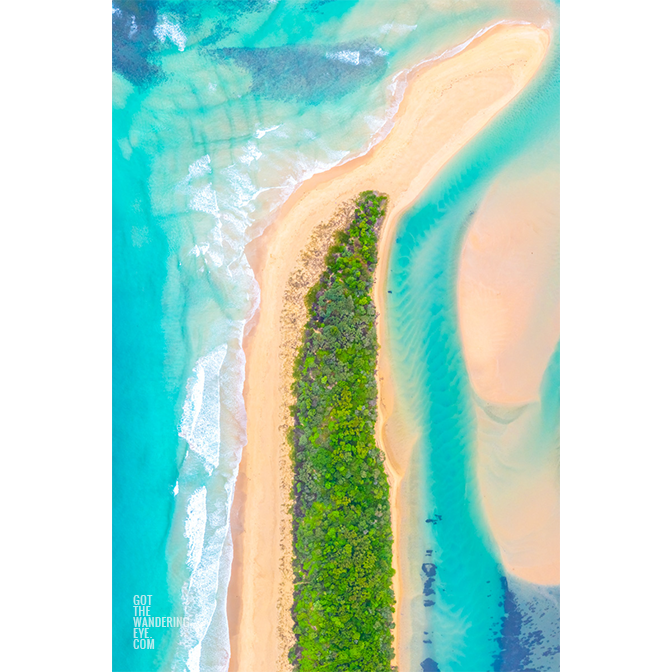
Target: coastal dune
446	103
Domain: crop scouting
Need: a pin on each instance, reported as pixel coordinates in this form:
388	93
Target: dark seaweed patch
429	569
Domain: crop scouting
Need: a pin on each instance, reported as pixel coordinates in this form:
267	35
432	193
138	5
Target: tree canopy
343	598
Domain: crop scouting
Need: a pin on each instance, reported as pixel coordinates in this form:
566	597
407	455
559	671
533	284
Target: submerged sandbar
509	316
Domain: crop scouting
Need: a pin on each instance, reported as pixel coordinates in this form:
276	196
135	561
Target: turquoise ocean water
220	110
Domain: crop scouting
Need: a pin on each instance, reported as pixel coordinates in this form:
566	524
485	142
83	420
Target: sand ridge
446	103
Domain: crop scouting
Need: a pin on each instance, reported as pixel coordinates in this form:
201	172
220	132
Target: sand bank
509	312
445	104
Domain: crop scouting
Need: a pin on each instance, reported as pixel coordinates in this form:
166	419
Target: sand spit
445	104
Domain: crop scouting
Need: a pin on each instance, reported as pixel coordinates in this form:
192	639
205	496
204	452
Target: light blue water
220	110
469	619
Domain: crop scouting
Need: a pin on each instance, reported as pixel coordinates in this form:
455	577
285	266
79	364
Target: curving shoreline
444	105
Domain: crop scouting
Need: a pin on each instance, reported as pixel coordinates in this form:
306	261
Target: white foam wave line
194	659
200	599
251	154
215	390
194	526
200	412
205	200
200	594
200	167
261	132
350	57
225	245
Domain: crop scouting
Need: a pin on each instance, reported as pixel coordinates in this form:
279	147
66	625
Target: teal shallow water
220	110
465	613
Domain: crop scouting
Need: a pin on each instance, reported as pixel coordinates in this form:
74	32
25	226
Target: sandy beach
446	103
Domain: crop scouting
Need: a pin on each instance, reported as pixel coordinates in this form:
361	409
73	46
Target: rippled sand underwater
464	608
220	110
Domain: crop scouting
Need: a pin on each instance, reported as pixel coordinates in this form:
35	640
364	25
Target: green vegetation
343	598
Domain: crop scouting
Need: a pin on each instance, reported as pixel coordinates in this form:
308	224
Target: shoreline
450	100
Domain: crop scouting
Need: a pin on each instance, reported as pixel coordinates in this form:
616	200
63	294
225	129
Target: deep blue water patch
309	74
133	41
513	656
